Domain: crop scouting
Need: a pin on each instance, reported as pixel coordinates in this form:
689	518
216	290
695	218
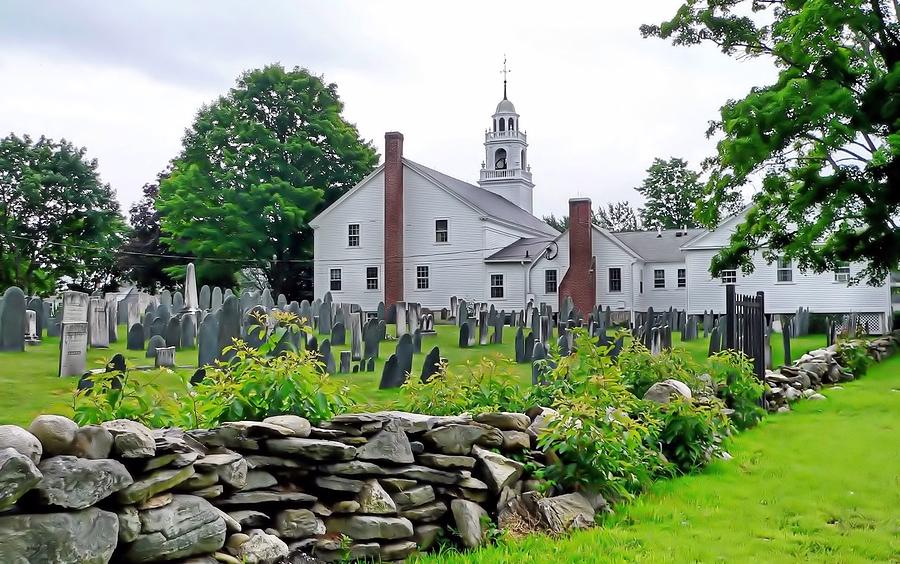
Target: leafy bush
254	384
486	386
738	387
853	355
640	369
692	431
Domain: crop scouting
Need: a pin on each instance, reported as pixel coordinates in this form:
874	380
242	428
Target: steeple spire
505	71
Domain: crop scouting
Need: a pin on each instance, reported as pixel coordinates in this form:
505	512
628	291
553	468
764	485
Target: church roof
658	246
505	106
525	249
491	204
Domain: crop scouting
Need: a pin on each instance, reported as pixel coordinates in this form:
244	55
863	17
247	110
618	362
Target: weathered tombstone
155	342
327	356
165	357
312	344
98	323
177	302
200	374
473	327
338	334
205	297
417	341
520	345
454	307
165	299
135	340
36	305
497	338
392	376
371	338
356	337
370	365
266	300
229	327
713	341
464	336
538	363
379	311
431	365
345	362
31	327
786	339
173	333
53	328
563	343
157	327
216	300
188	331
654	341
401	319
281	302
132	312
529	345
73	344
404	353
164	312
483	323
325	318
462	312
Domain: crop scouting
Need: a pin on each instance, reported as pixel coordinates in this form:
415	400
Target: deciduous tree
671	191
617	216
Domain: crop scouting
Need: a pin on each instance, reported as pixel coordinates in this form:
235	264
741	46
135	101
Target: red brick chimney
580	280
393	217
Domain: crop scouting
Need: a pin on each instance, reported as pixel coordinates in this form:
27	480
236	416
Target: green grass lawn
820	484
30	385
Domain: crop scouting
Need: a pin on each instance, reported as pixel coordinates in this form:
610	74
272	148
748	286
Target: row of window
784	274
441	232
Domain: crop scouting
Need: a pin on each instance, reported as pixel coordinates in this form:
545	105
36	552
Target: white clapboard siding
818	292
538	273
610	254
662	298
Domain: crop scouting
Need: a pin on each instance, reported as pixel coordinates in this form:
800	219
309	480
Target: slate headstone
155	342
135	340
404	353
464	336
345	362
188	331
370	365
200	374
338	334
520	345
327	357
392	376
431	365
229	327
205	297
417	341
173	333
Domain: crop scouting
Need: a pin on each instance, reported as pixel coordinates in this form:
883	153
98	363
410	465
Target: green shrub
486	386
738	387
692	431
255	384
853	355
640	369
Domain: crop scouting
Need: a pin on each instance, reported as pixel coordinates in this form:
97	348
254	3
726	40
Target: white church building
410	233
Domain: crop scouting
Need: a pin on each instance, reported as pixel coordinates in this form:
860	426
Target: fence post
729	316
760	335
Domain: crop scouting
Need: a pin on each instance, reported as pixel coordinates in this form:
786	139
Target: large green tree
617	216
823	138
256	166
58	221
671	191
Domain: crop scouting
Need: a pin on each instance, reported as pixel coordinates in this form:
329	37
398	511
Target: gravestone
483	324
73	344
157	327
132	312
40	319
165	299
356	337
417	341
392	376
370	365
464	336
177	302
529	345
520	345
454	307
135	339
713	341
173	333
188	331
266	300
345	362
786	339
497	337
563	343
164	312
31	325
312	344
431	365
98	323
412	318
538	363
200	374
473	327
281	302
371	338
325	318
404	353
379	311
116	366
229	327
462	312
306	315
165	357
155	342
327	357
338	333
401	319
216	300
205	297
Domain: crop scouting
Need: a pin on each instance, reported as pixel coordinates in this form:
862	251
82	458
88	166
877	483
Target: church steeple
505	170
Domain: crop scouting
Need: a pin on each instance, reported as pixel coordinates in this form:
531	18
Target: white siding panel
610	255
663	298
560	264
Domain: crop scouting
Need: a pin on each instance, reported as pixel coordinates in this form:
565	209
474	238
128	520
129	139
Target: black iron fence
745	326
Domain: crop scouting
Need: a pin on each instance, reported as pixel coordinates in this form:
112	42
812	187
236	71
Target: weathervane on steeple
504	72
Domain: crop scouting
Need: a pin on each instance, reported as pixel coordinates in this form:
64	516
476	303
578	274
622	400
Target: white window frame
426	278
682	278
726	277
842	272
784	267
501	287
370	279
555	281
659	283
351	235
332	279
609	279
436	241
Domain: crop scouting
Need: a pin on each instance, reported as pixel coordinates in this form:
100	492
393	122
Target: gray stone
131	439
365	527
413	497
262	549
258	480
73	344
468	519
18	475
456	438
299	426
446	461
505	421
154	483
425	513
298	524
426	535
663	392
78	483
20	440
388	445
392	375
261	497
397	551
231	468
250	519
374	500
129	523
155	342
208	341
135	338
186	527
516	440
425	474
76	537
313	449
497	470
339	484
564	512
56	433
354	468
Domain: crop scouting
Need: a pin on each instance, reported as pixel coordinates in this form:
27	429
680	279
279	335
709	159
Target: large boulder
56	433
187	526
79	537
78	483
505	421
17	438
469	517
665	391
18	475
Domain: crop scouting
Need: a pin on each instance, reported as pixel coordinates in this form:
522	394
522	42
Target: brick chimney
580	280
393	217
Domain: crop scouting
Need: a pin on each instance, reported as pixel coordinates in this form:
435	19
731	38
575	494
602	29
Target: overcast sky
125	78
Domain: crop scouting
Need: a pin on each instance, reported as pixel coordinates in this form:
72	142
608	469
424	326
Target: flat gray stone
131	439
365	527
313	449
264	497
263	549
468	519
374	500
298	524
497	470
414	496
504	420
92	441
446	461
298	425
388	445
78	483
230	467
155	483
188	526
75	537
425	513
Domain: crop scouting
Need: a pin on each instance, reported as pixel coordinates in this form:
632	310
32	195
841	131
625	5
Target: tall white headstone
75	307
73	342
98	323
191	300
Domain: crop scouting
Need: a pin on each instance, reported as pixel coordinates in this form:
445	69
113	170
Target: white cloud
598	101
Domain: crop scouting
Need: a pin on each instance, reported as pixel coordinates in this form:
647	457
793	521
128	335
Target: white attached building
410	233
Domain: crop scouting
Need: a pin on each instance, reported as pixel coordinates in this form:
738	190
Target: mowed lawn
819	484
30	385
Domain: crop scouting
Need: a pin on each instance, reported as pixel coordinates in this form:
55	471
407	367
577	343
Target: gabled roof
487	202
658	246
697	241
525	249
